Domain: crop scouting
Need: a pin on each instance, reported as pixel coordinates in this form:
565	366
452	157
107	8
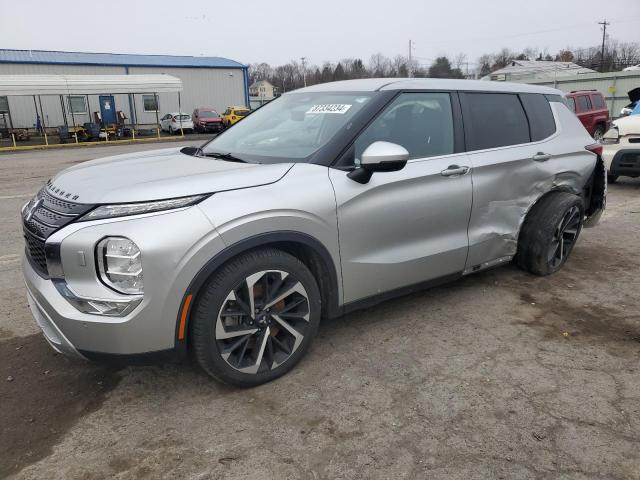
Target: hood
628	125
159	174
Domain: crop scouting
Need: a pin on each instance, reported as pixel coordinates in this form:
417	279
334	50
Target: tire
612	178
267	348
598	132
549	233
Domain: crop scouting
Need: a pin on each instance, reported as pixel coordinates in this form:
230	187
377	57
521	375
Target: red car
207	120
590	107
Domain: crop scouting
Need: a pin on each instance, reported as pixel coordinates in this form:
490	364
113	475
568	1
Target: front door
107	109
409	226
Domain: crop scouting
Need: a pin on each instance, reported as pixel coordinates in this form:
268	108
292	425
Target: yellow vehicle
234	114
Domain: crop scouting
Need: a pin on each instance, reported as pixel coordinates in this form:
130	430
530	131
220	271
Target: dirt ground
500	375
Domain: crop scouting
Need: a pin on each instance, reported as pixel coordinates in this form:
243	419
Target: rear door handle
541	157
454	171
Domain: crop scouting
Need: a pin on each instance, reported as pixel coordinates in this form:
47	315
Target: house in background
261	92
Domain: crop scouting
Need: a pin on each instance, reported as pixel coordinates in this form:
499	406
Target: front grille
35	251
44	215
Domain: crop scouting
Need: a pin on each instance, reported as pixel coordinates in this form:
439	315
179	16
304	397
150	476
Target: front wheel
549	233
256	318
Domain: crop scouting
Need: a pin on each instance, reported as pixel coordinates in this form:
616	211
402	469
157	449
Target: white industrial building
206	82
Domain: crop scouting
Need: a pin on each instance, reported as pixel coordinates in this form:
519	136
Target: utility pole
410	66
604	24
304	70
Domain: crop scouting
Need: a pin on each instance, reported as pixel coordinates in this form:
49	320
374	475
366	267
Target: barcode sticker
330	108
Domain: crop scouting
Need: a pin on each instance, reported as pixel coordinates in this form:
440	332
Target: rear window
584	104
598	101
541	121
495	120
182	117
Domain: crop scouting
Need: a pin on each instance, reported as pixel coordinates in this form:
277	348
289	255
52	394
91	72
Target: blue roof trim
114	59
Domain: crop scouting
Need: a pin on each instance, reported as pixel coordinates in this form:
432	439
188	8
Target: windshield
290	128
241	113
208	114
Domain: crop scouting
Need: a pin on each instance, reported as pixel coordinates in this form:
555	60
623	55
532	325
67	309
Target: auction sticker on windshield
330	108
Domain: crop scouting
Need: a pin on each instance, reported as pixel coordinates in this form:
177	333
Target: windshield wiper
224	156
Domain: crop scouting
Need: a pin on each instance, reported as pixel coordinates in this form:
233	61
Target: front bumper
211	127
174	247
625	162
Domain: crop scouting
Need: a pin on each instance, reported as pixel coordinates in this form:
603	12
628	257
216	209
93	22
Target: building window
4	105
150	103
77	104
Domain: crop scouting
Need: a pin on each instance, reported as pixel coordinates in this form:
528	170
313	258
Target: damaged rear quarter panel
507	183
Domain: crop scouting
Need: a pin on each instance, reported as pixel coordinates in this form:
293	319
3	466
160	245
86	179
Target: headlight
125	209
120	265
612	136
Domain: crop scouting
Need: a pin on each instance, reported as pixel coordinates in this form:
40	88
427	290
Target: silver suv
328	199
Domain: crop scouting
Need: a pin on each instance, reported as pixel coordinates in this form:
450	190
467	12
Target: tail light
595	148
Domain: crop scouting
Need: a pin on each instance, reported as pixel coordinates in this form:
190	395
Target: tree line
294	74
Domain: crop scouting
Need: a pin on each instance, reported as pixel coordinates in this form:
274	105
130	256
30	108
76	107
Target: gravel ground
500	375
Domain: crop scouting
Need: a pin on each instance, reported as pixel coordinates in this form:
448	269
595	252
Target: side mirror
380	157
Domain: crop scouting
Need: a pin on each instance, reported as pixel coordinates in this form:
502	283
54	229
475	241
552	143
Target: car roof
378	84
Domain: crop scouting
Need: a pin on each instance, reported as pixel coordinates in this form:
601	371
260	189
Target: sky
327	30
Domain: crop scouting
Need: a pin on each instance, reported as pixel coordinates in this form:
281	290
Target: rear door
409	226
584	110
513	163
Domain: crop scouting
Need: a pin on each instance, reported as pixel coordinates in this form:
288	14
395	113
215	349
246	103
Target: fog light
120	265
96	306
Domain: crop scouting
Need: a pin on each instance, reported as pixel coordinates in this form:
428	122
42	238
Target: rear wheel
256	317
612	178
549	233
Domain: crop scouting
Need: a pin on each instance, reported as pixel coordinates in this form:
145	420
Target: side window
584	104
420	122
598	101
571	103
541	121
494	120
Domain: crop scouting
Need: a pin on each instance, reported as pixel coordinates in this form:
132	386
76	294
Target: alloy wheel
564	237
262	321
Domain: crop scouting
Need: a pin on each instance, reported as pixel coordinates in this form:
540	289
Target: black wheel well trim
287	240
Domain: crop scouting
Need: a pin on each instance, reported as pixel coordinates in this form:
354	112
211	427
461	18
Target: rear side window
541	121
494	120
598	101
571	103
584	104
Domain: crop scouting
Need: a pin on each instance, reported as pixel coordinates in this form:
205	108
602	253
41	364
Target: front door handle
541	157
454	171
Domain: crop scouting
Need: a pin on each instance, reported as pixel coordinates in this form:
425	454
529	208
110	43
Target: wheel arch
306	248
561	188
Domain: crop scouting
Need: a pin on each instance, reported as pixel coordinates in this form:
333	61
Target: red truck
590	107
